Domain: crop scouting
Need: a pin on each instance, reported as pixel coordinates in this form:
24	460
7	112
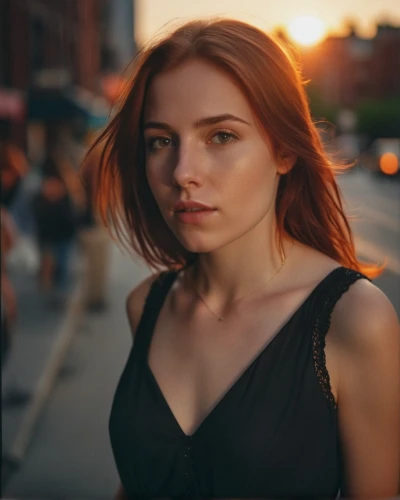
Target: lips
193	212
191	206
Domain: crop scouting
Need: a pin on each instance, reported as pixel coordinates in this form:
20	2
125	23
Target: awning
49	104
64	104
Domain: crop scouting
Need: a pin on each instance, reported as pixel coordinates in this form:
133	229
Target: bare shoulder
365	337
363	318
136	300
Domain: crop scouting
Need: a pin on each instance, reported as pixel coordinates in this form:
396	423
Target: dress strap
152	307
338	284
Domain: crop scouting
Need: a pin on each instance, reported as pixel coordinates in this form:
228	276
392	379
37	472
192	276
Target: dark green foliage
379	118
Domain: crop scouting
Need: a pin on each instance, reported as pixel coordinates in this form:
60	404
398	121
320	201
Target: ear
286	161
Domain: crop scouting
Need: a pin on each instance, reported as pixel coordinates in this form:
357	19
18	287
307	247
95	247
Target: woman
265	363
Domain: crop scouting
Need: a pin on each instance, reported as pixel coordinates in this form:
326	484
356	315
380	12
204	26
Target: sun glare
307	30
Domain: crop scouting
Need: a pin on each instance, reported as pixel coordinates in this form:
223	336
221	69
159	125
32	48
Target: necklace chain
222	318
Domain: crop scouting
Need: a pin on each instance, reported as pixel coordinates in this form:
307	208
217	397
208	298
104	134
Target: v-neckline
240	376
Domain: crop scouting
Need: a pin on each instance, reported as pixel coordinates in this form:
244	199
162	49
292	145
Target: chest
266	437
197	361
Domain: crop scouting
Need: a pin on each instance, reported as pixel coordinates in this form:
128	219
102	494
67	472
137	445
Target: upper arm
136	300
365	329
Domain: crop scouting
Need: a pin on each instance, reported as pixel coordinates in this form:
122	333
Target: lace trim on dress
321	327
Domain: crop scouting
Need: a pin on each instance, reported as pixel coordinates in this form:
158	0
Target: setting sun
307	30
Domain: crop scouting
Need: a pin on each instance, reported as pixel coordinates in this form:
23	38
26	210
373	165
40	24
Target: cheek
156	179
159	166
252	178
151	179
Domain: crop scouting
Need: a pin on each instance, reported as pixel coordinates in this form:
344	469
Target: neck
230	273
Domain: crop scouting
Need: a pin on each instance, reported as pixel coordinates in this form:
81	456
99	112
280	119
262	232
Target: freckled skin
237	175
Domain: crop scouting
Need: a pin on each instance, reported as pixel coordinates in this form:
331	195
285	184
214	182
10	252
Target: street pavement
69	454
374	202
32	340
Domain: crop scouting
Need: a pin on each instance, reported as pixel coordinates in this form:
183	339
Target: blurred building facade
118	26
349	70
54	55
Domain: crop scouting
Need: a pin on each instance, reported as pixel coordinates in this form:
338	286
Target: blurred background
65	337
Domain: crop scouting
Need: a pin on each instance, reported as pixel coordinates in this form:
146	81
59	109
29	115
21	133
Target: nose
188	171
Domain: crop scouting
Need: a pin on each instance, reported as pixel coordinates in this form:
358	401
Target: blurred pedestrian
13	166
12	395
265	363
57	208
94	239
8	297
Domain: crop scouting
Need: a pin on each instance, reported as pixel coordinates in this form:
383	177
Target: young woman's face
203	145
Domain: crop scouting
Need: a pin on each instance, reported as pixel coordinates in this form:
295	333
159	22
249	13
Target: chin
196	243
195	246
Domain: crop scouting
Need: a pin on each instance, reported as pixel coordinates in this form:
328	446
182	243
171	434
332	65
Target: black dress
274	434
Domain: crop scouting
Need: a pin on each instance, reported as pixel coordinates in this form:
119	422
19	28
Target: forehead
194	90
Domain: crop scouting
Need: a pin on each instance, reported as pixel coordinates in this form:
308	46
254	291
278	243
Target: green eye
223	138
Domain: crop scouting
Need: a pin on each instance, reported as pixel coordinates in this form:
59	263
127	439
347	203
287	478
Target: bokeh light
307	30
389	163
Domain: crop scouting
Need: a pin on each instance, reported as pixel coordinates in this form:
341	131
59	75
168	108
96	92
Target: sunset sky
152	15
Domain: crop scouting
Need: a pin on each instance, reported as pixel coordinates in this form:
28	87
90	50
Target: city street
69	455
374	201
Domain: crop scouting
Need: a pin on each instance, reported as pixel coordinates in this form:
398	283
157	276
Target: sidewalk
36	333
69	455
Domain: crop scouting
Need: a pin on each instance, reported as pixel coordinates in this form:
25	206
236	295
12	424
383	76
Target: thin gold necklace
222	318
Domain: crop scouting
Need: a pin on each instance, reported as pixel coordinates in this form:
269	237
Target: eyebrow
203	122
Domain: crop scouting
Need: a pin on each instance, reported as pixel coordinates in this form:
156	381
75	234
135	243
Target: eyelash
150	142
227	132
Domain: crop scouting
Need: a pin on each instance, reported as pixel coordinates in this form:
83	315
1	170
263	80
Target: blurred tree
320	109
379	118
281	36
350	26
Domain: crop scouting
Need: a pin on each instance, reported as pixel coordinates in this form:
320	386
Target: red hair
308	205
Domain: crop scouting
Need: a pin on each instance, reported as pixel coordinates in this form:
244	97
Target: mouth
188	210
192	212
191	206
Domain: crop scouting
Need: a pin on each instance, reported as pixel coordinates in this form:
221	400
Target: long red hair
308	206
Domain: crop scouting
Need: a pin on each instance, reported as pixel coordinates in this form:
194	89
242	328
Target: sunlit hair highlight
308	206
